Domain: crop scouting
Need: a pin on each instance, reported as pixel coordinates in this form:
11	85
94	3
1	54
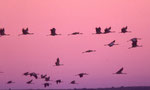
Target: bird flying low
111	44
81	74
75	33
88	51
120	71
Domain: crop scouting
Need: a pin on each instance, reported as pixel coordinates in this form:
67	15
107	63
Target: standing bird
120	71
2	32
26	32
124	29
88	51
111	44
73	82
29	82
134	42
57	63
75	33
10	82
53	32
81	74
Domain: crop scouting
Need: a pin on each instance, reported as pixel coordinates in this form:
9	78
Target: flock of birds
47	78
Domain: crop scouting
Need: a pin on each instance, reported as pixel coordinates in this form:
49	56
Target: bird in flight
53	32
75	33
134	43
73	82
58	81
57	63
98	30
81	74
26	73
25	32
29	82
2	32
120	71
10	82
124	30
88	51
107	30
111	44
46	84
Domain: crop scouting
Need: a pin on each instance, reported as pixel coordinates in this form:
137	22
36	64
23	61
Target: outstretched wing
119	71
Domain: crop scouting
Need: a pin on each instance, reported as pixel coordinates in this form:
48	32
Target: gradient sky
38	52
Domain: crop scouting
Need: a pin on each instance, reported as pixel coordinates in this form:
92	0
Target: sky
38	52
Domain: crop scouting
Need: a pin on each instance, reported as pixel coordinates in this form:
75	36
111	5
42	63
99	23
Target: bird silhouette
47	78
26	73
134	43
46	84
111	44
124	29
25	32
88	51
53	32
98	30
57	63
35	75
58	81
75	33
29	82
43	76
2	32
10	82
120	71
73	82
107	30
81	74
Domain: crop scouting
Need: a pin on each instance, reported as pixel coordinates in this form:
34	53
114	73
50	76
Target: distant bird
134	42
2	32
58	81
26	32
120	71
124	29
107	30
10	82
47	78
57	63
35	75
98	30
29	82
26	73
88	51
53	32
73	82
75	33
43	76
111	44
46	84
81	74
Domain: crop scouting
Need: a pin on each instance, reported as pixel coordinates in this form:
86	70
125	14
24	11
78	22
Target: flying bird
10	82
26	73
47	78
53	32
124	29
111	44
43	76
58	81
98	30
73	82
46	84
75	33
81	74
88	51
35	75
134	43
57	63
25	32
120	71
2	32
29	82
107	30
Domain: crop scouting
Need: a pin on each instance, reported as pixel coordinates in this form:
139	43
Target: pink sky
38	52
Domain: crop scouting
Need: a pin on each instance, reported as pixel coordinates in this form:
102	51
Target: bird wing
120	71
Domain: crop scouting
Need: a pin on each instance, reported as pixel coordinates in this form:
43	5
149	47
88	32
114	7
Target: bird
46	84
73	82
81	74
2	32
111	44
25	32
120	71
124	29
53	32
26	73
10	82
47	78
35	75
57	63
88	51
29	82
134	43
58	81
107	30
75	33
43	76
98	30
